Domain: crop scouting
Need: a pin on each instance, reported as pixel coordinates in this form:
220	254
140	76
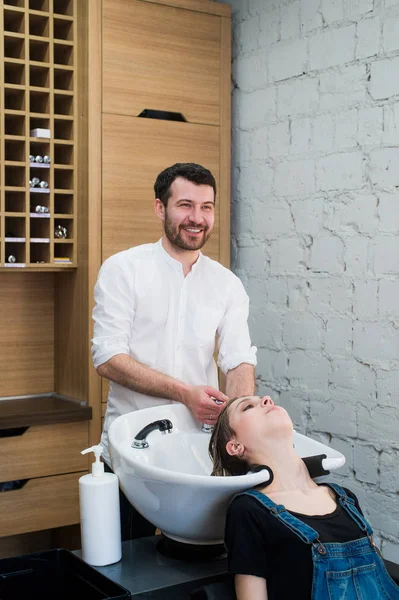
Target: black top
259	544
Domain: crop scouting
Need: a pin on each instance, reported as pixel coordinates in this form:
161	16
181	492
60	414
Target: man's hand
199	399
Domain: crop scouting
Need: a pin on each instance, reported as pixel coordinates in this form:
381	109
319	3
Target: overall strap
349	505
303	531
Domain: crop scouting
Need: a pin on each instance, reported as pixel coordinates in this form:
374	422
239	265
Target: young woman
292	539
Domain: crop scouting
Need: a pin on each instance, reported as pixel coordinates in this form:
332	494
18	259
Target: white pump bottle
100	523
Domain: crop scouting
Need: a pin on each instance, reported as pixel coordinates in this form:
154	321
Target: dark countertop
143	569
41	409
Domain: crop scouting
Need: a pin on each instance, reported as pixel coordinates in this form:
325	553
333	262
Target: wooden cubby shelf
39	92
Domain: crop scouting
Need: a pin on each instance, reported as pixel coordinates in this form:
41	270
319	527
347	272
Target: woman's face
256	419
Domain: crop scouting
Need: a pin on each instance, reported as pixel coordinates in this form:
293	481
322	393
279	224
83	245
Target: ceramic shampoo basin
169	482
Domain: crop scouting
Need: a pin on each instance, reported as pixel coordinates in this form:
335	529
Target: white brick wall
315	226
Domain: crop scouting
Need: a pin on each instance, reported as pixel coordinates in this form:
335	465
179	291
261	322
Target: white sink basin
169	482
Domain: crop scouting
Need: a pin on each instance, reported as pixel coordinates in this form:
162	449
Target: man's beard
173	233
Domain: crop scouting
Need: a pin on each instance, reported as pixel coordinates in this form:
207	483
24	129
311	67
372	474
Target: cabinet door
135	150
161	58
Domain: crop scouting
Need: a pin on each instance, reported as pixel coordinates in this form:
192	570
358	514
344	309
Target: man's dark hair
190	171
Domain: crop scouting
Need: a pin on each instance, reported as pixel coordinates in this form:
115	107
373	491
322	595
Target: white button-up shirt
147	309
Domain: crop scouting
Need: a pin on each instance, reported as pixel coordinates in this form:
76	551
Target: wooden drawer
42	503
44	450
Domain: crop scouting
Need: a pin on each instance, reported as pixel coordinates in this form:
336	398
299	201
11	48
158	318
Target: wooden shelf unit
38	89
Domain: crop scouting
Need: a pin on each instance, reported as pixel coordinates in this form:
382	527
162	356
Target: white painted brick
276	219
388	210
297	295
388	387
323	134
327	255
389	299
287	256
346	130
279	139
269	24
296	407
332	11
250	72
357	8
383	512
255	180
299	96
390	551
256	108
256	7
357	256
385	166
301	135
251	260
334	418
302	331
310	15
277	291
368	37
267	329
259	144
366	299
290	20
332	47
295	178
386	255
256	290
391	125
338	340
384	82
241	146
308	215
361	213
349	375
308	370
241	221
375	342
248	34
370	126
389	471
273	365
343	88
366	463
390	34
387	431
341	294
346	448
340	171
319	295
287	59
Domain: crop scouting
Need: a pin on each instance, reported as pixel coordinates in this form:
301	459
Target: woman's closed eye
247	406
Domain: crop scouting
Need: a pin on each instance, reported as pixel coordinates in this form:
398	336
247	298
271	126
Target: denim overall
341	571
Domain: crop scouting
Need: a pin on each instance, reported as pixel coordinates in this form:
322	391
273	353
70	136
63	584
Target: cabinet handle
10	486
13	432
164	115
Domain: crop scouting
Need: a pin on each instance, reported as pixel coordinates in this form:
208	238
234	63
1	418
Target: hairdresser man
158	309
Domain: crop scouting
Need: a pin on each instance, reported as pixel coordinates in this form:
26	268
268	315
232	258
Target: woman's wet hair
223	463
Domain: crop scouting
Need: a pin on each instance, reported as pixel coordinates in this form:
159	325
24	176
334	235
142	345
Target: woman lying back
291	539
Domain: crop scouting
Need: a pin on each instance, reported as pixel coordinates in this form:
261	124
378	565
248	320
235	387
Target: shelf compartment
42	5
14	99
15	202
63	179
39	199
63	130
63	155
39	102
14	176
63	104
39	76
39	50
39	252
39	123
63	53
14	47
14	150
38	146
18	250
15	227
63	204
68	224
63	251
40	229
17	3
63	29
14	21
14	125
63	7
14	73
63	79
39	25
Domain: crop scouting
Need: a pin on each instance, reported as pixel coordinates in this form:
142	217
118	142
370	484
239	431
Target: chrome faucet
163	425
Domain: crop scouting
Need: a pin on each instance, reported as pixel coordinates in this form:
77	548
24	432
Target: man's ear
159	209
233	448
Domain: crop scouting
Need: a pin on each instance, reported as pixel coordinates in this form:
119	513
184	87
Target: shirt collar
175	264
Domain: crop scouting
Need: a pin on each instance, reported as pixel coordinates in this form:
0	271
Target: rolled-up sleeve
233	334
113	312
